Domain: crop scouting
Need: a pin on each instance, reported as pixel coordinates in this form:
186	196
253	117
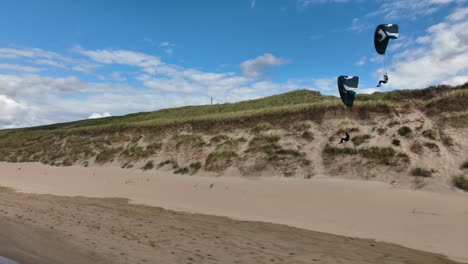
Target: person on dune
346	138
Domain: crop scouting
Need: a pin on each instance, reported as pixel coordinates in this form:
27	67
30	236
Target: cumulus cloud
98	115
457	80
443	57
52	99
10	110
254	68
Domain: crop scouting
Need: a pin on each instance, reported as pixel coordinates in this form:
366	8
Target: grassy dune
275	134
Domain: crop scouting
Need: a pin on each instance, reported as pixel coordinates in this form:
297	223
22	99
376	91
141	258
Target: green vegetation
195	167
220	160
148	166
262	126
454	101
219	138
171	162
381	131
332	151
191	169
282	154
432	146
308	135
360	139
456	119
193	140
108	155
464	165
138	152
230	144
264	143
396	142
124	137
182	170
430	133
404	131
380	155
420	172
301	126
393	123
461	182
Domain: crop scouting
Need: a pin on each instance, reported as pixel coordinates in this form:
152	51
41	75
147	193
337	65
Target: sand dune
434	222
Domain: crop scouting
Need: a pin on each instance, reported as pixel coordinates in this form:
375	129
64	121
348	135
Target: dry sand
432	222
45	229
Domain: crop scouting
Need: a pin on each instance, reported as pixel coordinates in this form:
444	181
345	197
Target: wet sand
50	229
432	222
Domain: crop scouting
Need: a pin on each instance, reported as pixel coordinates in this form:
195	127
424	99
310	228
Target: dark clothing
346	138
385	80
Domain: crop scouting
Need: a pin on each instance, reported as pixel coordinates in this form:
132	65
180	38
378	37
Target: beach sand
114	230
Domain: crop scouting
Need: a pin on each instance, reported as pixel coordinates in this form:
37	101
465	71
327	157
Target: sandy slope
422	220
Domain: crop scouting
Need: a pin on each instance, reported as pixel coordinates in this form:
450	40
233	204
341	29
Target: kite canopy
346	85
383	33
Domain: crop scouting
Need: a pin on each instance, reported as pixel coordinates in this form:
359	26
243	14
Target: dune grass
461	182
360	139
220	160
379	155
98	138
420	172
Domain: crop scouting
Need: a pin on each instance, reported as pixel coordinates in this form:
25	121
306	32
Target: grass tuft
420	172
404	131
360	139
148	166
461	182
430	133
220	160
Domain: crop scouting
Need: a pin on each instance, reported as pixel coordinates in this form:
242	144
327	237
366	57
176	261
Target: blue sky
68	60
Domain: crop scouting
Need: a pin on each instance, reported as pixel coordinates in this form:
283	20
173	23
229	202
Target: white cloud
35	84
117	76
166	44
97	115
368	90
361	61
10	110
253	3
307	3
443	58
457	80
168	47
19	68
254	68
49	62
324	84
11	53
125	57
412	9
357	25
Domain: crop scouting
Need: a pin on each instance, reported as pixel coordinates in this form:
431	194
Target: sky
63	60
